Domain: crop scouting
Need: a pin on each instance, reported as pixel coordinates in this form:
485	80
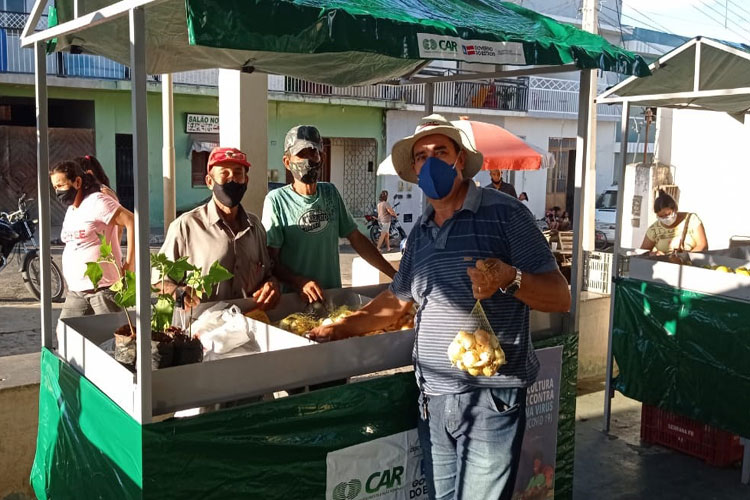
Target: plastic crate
716	447
597	272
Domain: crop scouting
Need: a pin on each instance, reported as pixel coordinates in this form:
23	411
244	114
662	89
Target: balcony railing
535	94
560	97
511	95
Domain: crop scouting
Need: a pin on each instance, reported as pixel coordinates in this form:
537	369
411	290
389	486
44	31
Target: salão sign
202	124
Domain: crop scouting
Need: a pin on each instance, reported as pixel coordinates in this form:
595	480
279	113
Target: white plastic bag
222	330
209	320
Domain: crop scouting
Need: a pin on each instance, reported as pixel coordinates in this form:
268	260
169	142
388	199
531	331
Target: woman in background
89	214
385	215
91	165
674	231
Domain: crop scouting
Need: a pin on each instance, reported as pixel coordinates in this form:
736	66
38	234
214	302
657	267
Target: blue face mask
436	178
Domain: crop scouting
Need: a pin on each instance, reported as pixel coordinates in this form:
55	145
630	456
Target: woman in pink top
89	213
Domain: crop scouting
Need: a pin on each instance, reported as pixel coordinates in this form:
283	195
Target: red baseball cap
227	155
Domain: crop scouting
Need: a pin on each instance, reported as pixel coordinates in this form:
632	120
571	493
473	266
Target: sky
723	19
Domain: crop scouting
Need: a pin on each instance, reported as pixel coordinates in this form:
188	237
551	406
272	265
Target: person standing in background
497	183
89	214
385	214
90	165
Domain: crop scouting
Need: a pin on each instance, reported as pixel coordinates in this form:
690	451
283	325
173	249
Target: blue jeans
471	443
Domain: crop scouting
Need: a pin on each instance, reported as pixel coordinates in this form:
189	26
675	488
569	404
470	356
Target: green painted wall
331	120
112	116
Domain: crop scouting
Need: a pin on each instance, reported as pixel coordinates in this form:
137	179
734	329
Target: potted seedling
169	345
187	349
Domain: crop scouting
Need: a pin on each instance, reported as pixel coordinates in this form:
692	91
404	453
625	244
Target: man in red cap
221	230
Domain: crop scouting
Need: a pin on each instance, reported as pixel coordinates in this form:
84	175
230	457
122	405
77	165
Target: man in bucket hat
221	230
470	426
305	219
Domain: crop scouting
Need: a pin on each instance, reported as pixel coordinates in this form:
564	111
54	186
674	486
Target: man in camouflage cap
305	219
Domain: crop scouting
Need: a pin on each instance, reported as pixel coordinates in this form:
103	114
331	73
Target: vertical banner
536	471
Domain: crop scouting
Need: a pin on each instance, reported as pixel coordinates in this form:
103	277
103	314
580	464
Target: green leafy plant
178	271
124	287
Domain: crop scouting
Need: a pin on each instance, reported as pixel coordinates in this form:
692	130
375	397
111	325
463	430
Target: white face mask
669	219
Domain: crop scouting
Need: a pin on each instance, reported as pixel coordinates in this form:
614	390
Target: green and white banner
388	467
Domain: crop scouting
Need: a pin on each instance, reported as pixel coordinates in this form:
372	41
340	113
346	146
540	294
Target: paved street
20	330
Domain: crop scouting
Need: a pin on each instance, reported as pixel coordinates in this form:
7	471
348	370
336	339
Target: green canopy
345	42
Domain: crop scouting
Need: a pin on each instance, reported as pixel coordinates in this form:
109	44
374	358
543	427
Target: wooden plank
18	162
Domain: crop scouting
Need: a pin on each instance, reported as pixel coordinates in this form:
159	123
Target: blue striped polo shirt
433	274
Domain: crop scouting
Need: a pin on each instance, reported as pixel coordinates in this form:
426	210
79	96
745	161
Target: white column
624	125
585	173
43	186
167	155
243	121
140	174
588	159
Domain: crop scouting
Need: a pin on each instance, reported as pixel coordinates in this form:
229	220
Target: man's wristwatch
514	285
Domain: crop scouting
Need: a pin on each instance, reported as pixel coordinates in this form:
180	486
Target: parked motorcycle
396	233
17	241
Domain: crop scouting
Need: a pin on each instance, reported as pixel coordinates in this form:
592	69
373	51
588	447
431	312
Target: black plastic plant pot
188	351
162	351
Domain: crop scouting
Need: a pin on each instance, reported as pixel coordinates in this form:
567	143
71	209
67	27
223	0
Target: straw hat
434	124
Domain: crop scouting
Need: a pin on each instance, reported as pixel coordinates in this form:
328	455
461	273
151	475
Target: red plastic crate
716	447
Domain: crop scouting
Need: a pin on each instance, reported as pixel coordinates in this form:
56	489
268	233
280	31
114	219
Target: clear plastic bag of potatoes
476	349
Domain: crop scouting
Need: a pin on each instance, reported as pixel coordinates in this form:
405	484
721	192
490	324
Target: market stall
678	328
96	413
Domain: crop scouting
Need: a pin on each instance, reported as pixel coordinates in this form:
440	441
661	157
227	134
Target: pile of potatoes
477	353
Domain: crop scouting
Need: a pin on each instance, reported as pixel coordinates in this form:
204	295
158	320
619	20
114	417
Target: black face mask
230	193
306	171
67	197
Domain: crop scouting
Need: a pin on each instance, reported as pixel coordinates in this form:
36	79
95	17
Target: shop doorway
124	170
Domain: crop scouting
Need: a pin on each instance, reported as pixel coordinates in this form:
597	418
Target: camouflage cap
302	137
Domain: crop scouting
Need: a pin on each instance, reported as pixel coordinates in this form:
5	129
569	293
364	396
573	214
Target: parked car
606	218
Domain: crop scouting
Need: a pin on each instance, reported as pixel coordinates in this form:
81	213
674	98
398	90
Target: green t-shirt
307	230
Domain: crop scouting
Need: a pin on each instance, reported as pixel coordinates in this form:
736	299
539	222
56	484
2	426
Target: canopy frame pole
94	18
168	154
36	14
142	405
585	108
616	260
654	65
42	159
647	99
429	98
697	70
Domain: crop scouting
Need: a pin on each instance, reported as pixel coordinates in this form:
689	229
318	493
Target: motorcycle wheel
374	234
31	273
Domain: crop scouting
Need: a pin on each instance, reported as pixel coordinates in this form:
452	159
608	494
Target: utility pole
585	172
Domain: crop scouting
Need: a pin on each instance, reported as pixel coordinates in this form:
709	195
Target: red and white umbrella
501	149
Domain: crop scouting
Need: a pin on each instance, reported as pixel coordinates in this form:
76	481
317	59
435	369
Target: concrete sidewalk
618	467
